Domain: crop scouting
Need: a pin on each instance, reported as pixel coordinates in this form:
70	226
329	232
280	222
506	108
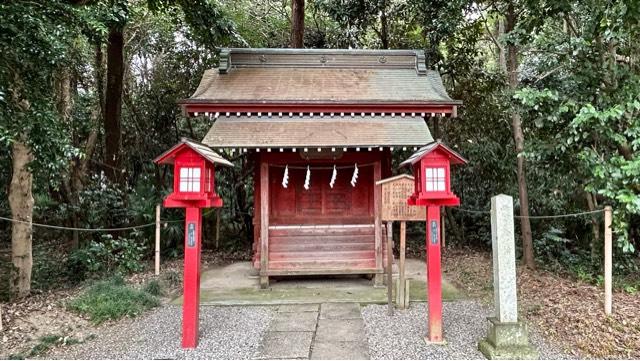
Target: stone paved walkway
316	331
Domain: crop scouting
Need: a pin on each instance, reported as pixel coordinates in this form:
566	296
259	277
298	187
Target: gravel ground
402	336
225	333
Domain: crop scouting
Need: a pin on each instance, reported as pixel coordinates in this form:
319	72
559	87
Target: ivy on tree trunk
21	203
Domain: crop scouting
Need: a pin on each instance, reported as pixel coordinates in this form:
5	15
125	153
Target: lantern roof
454	157
207	153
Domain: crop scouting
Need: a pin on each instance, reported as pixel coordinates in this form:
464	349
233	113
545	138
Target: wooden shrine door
321	204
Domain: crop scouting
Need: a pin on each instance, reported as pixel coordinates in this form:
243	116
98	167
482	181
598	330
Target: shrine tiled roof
366	131
314	76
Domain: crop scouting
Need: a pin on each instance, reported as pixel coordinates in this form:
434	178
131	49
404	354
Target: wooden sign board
395	191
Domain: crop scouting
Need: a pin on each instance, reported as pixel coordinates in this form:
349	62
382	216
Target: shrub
120	255
112	300
153	287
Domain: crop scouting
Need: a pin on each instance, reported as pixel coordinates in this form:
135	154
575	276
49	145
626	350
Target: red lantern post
193	189
432	188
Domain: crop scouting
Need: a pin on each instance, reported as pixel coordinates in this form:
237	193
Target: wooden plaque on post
395	191
394	207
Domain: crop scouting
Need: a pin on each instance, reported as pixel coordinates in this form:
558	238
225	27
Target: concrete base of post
264	282
435	343
507	341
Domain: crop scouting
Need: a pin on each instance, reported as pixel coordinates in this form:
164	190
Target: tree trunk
21	204
113	103
518	136
384	26
297	23
64	106
99	74
595	226
502	58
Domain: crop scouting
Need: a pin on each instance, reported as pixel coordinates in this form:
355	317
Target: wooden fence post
608	250
157	239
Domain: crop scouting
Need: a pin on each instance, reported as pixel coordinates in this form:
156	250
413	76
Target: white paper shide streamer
285	177
354	178
333	177
307	179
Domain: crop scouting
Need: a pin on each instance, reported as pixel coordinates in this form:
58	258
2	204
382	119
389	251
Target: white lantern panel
435	180
183	186
189	180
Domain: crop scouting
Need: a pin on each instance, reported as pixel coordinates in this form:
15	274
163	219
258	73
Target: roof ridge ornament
225	61
421	62
348	58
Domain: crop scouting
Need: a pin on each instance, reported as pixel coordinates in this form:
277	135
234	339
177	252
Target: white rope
333	177
41	225
354	178
534	217
307	179
81	229
285	177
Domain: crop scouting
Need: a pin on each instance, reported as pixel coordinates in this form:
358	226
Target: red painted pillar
191	302
434	276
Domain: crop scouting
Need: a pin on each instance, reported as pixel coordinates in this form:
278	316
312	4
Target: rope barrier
79	229
535	217
42	225
209	211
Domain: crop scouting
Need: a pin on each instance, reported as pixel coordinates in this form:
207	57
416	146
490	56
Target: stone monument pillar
507	337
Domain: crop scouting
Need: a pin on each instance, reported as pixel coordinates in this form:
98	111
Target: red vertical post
434	276
191	302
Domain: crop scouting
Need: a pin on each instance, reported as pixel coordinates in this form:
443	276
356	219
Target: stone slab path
326	331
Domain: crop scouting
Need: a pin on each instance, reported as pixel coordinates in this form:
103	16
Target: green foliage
34	39
120	255
153	287
49	267
112	300
579	104
48	341
585	110
209	24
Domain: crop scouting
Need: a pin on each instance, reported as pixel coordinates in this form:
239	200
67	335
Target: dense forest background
88	92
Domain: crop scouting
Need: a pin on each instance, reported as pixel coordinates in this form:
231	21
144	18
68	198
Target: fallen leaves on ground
564	310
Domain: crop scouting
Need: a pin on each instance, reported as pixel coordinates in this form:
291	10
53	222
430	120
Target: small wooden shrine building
301	113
